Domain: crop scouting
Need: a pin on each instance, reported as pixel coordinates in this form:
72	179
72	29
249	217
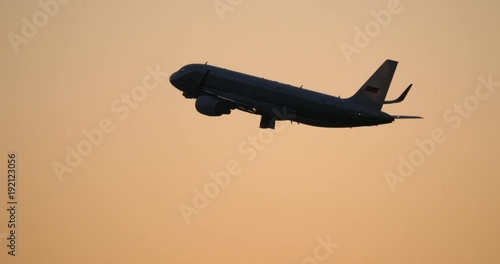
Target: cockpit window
181	70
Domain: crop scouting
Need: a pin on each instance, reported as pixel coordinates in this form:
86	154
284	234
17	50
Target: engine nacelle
211	106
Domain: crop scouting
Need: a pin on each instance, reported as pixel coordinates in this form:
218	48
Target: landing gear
267	121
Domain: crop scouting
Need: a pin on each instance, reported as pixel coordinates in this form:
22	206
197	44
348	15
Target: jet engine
211	106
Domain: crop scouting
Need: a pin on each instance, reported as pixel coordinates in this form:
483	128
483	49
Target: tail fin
372	93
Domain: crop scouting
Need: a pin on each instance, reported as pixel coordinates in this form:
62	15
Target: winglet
401	97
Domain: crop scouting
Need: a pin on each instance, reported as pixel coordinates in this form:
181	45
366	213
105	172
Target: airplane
218	91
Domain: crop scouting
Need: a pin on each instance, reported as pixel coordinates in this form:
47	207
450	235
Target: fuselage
258	95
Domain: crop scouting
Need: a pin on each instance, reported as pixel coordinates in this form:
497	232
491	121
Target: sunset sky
111	172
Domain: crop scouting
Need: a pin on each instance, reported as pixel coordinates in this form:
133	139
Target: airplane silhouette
218	91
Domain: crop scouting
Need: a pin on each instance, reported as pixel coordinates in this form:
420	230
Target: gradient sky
304	185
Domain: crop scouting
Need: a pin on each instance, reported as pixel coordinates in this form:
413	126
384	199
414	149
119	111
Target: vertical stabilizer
372	93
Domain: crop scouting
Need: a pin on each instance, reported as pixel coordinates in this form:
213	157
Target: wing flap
253	106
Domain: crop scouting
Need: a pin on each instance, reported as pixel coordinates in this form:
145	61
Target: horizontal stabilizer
401	97
406	117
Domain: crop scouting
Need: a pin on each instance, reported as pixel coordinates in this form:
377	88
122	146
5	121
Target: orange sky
74	70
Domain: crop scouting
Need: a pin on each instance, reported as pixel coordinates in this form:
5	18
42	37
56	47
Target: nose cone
174	79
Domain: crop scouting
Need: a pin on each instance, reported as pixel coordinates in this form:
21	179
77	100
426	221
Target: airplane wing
253	106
